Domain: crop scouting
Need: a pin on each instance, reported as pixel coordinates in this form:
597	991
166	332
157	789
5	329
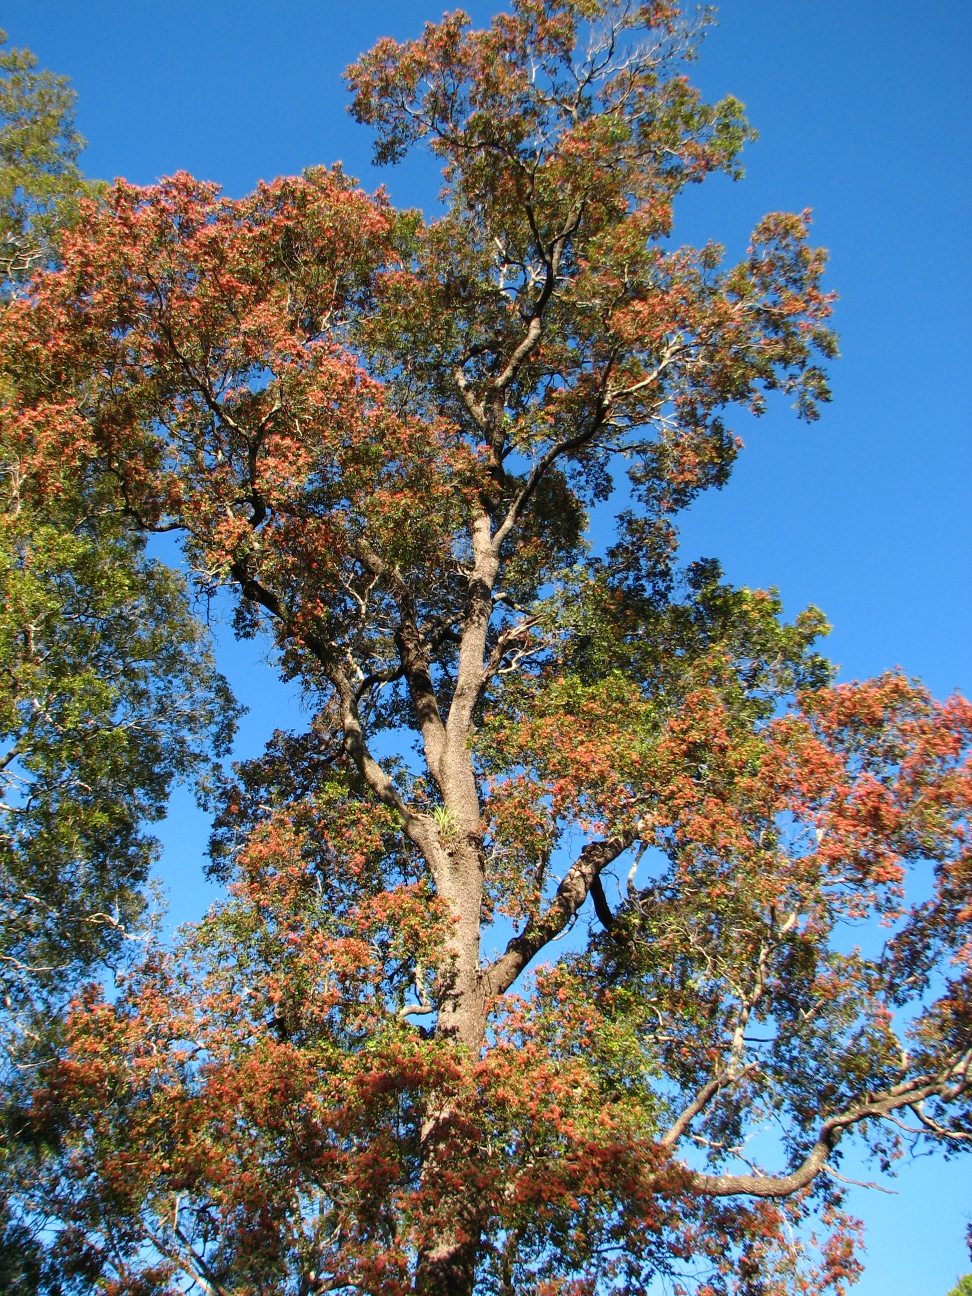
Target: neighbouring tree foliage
108	691
39	178
384	437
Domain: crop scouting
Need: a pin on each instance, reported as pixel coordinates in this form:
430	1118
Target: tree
108	691
109	694
383	435
39	148
108	686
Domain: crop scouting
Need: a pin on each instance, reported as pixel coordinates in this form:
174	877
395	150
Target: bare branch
857	1183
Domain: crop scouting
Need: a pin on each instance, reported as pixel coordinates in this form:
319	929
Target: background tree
108	691
384	435
39	177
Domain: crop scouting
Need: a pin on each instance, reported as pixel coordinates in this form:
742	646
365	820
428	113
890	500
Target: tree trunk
447	1269
448	1266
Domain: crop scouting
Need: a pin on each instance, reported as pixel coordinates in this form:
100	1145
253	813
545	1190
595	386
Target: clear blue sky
864	114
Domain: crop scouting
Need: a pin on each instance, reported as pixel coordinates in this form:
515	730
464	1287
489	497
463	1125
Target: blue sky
864	114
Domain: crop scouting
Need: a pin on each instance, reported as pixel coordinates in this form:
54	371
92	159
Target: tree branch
601	906
877	1107
701	1101
412	654
571	894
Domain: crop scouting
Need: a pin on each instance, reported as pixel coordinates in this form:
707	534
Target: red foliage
381	436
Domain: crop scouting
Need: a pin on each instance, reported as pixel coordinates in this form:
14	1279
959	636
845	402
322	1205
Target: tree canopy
384	437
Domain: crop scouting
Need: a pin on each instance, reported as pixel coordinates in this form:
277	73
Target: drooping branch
474	406
354	744
413	655
354	741
415	667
